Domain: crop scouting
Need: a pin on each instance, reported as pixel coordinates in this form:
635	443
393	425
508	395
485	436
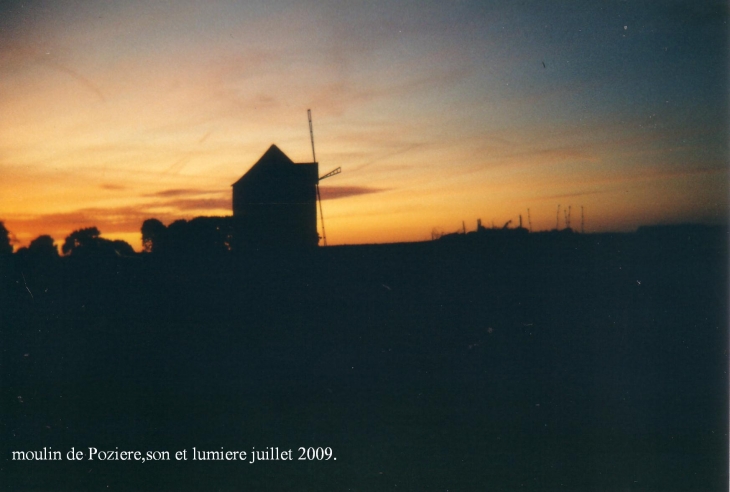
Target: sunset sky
112	112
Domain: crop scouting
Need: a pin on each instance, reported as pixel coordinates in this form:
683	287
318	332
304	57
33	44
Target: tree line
199	236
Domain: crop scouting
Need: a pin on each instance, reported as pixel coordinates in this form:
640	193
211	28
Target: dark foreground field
551	362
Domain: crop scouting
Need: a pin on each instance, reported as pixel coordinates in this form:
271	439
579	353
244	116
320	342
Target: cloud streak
335	192
84	81
182	192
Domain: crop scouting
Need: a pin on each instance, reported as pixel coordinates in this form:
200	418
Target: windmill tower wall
275	204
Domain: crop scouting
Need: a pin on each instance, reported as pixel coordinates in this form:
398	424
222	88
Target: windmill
331	173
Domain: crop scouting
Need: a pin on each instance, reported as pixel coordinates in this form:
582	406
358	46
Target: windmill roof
274	155
273	159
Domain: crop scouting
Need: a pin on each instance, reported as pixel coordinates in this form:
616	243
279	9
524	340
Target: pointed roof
272	162
272	158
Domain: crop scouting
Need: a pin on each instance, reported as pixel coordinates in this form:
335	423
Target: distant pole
570	209
557	219
529	220
314	160
463	226
520	221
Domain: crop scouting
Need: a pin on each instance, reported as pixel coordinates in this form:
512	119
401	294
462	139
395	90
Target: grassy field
543	362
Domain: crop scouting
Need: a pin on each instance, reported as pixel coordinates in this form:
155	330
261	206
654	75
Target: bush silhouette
5	247
87	242
81	241
153	235
201	236
43	247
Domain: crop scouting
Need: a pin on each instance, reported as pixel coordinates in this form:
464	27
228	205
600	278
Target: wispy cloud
112	187
60	225
112	220
334	192
182	192
210	204
384	156
172	205
84	81
576	194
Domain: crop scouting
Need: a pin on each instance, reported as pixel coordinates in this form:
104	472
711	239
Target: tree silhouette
208	235
41	252
43	247
119	247
5	247
176	237
86	242
81	240
153	235
201	236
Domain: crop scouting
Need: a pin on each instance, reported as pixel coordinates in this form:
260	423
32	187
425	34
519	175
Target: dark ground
552	362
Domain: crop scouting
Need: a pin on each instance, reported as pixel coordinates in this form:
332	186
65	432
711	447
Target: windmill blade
316	185
311	133
331	173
